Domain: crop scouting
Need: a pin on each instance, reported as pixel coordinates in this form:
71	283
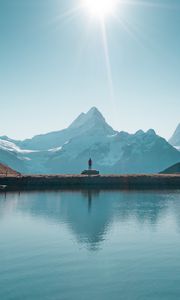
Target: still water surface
90	245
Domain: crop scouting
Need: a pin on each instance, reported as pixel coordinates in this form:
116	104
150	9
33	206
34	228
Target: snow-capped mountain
67	151
85	122
175	139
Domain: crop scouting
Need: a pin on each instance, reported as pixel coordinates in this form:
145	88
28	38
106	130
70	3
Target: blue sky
52	66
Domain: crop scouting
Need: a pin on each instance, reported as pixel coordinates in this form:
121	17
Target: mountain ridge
67	150
50	140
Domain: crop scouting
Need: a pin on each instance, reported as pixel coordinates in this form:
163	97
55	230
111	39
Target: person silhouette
90	164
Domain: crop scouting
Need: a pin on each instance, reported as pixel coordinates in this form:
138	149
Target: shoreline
105	182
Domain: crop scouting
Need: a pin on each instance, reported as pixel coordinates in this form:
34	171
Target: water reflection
90	245
90	214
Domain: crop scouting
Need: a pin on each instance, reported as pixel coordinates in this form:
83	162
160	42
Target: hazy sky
53	65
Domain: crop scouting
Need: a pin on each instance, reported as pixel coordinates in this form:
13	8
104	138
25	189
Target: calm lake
90	245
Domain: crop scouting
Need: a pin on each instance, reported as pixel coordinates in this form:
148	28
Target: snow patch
177	148
58	148
9	146
55	149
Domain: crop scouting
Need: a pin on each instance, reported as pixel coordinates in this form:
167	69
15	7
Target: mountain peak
92	117
93	121
94	112
151	132
140	132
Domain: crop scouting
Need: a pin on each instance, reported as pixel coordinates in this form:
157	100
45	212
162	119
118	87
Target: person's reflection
89	195
89	201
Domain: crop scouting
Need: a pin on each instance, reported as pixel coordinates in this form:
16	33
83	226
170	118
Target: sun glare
100	8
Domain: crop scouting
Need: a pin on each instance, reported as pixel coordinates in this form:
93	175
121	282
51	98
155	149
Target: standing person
90	163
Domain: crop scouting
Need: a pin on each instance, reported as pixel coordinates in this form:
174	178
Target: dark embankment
49	182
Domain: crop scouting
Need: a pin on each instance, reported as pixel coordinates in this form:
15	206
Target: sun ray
133	32
107	60
66	16
150	4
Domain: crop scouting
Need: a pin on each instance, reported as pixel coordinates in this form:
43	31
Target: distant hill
5	170
67	151
175	139
175	169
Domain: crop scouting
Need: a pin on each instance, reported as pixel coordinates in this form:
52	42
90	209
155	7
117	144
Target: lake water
90	245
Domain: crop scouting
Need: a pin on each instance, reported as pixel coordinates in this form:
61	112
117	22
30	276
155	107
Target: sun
100	8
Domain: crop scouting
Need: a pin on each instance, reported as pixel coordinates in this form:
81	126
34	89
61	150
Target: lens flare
100	8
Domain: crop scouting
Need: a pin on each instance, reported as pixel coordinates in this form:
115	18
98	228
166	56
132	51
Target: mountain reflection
90	214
